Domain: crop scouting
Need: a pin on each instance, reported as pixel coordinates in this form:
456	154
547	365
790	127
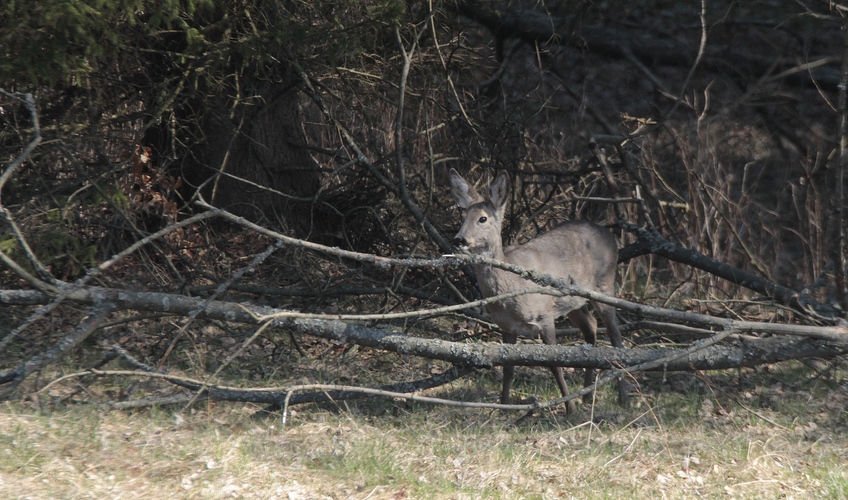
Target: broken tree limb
13	378
245	313
739	350
815	342
275	396
511	20
648	241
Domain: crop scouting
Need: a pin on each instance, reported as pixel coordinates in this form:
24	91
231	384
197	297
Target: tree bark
84	329
253	160
653	242
511	21
739	351
837	244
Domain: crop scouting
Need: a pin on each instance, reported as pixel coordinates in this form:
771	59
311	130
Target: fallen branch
647	242
280	396
286	396
742	351
84	329
805	341
653	242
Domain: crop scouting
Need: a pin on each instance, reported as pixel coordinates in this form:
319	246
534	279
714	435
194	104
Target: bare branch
29	102
286	396
653	242
24	275
49	282
804	341
67	289
648	242
507	20
92	322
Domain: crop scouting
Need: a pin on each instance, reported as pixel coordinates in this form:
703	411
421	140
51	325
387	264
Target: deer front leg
582	319
508	370
548	334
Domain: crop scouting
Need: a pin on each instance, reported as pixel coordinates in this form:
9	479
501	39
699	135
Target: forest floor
773	432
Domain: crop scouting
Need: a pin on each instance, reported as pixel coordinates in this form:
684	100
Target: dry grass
784	439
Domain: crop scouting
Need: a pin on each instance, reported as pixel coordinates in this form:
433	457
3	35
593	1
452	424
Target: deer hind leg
607	313
587	324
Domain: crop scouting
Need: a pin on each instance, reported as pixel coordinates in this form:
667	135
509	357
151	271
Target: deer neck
493	249
492	280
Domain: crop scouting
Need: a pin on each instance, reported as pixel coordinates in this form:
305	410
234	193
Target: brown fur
579	251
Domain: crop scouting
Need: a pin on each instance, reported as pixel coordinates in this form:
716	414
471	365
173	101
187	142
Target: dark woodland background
716	124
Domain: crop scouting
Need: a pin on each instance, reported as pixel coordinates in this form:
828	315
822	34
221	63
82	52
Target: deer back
578	252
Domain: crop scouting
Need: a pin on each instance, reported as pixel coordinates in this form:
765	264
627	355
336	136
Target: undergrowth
772	432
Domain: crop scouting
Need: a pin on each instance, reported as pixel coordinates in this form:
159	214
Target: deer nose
460	242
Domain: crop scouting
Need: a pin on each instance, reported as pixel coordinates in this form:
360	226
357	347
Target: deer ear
499	192
463	193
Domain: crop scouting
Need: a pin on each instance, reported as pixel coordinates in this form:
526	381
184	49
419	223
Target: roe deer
580	251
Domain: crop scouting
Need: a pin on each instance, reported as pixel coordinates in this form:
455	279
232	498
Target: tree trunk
253	160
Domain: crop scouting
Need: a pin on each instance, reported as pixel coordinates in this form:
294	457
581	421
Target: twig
258	259
89	325
601	158
401	395
275	392
67	290
616	374
138	365
29	102
49	283
229	360
425	313
443	378
22	273
291	389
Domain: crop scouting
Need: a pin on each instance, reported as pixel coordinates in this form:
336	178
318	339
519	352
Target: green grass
771	433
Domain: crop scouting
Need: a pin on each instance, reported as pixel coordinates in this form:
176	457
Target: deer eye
482	219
